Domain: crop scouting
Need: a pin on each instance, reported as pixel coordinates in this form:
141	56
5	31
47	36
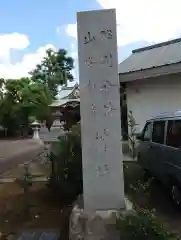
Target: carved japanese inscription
100	110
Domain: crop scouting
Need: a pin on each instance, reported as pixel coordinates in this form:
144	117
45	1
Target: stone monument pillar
100	110
102	158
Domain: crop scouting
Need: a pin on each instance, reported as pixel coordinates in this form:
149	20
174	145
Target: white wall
150	97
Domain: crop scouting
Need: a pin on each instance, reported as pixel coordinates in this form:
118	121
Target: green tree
23	99
1	88
54	70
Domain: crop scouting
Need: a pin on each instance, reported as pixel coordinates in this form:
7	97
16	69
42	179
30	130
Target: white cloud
29	61
150	21
73	51
71	30
12	41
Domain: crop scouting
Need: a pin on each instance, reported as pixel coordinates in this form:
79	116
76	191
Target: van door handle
149	147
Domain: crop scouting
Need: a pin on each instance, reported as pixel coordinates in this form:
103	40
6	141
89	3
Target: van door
144	146
157	152
173	153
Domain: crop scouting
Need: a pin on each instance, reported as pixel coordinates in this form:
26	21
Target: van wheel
176	195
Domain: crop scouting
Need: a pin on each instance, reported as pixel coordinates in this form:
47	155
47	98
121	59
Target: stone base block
98	225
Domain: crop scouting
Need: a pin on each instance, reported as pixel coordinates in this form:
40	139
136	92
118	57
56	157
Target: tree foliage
143	224
25	99
22	99
1	88
54	70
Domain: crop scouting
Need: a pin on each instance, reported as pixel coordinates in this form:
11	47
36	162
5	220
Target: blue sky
39	19
28	28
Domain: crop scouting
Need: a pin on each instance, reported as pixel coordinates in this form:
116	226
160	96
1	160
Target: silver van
159	151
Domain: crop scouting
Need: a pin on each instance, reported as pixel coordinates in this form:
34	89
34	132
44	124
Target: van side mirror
139	136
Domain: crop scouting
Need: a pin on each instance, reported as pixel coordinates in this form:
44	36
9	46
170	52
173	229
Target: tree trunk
25	132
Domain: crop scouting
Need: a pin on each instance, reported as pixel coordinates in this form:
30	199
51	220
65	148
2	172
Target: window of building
147	132
174	133
158	132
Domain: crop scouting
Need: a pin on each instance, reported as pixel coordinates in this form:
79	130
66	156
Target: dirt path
47	211
17	152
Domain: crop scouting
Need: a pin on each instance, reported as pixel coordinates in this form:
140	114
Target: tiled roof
67	94
157	55
61	102
66	91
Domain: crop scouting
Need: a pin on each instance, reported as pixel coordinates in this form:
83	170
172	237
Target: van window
174	133
147	132
158	132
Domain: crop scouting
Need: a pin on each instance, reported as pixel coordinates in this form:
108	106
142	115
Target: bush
143	225
66	158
